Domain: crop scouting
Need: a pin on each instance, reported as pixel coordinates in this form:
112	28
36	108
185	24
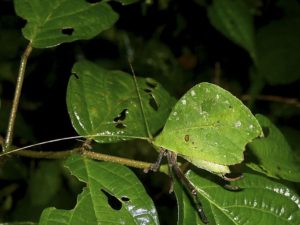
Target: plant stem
47	154
115	159
290	101
14	109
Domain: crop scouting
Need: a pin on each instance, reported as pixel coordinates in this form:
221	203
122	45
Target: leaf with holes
210	128
233	19
50	23
259	201
104	104
112	196
273	155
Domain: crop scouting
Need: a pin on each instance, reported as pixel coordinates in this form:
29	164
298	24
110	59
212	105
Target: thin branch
80	150
289	101
47	154
14	109
115	159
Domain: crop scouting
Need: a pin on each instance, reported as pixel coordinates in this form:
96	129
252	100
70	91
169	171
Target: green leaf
48	174
279	65
209	127
273	154
113	195
105	104
233	19
50	23
187	213
259	201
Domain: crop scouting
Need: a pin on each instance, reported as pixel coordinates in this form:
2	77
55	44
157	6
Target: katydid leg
172	161
155	166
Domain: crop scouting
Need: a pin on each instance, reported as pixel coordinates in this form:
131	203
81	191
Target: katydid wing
210	128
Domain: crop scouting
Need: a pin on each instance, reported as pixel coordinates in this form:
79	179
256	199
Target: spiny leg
172	161
231	187
155	166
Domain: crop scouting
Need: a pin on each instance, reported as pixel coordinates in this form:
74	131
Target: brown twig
290	101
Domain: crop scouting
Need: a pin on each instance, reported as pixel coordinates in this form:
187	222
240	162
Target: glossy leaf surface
105	104
273	155
50	23
233	19
259	201
113	195
209	124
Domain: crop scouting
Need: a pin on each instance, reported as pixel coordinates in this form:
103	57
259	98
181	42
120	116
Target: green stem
47	154
115	159
88	154
85	153
14	109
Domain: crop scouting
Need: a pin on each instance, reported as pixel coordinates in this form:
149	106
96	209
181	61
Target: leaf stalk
16	100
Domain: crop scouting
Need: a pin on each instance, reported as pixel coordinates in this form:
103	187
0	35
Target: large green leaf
233	19
259	201
105	104
208	125
50	23
273	155
280	64
113	195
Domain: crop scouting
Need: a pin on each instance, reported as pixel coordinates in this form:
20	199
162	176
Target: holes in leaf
75	75
152	102
266	131
119	120
125	199
67	31
187	138
120	125
147	90
152	84
114	203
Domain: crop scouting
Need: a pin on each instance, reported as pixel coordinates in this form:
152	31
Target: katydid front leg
155	166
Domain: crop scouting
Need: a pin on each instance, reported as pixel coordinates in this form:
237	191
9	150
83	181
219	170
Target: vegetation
81	132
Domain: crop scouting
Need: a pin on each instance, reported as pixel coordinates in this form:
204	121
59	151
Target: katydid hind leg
191	190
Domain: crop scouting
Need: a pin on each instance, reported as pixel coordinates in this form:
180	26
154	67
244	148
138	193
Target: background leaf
208	123
113	195
280	64
233	19
273	155
105	103
50	23
259	201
